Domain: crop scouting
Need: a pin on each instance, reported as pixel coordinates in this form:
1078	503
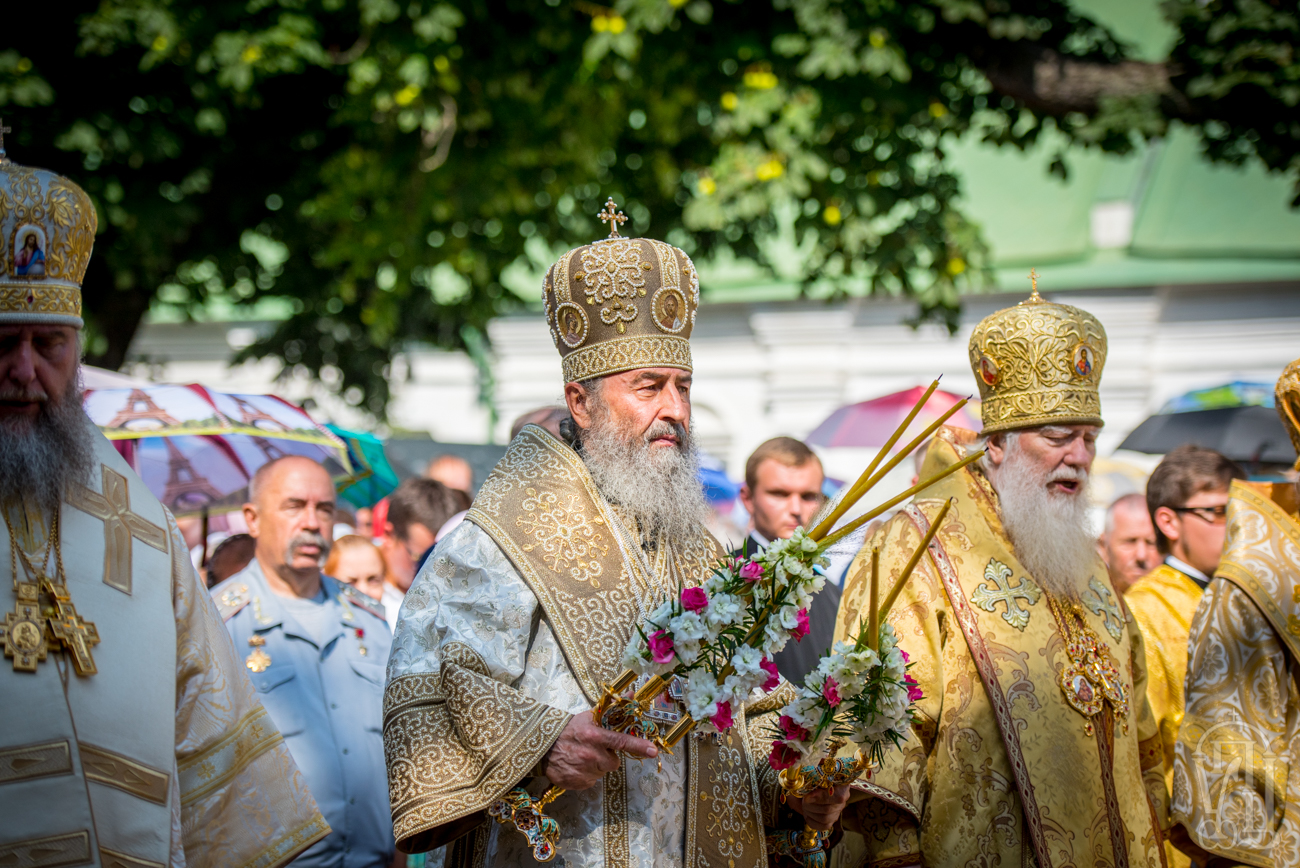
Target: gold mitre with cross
1286	395
47	230
1038	363
619	304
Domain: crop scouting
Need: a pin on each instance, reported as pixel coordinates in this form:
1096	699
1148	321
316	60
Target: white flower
747	661
788	617
715	583
725	610
687	652
774	637
660	616
701	695
686	627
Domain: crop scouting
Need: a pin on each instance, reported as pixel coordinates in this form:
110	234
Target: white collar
763	542
1186	568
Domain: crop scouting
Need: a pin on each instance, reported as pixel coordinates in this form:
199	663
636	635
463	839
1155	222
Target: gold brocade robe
1162	603
517	620
1000	770
1237	759
164	757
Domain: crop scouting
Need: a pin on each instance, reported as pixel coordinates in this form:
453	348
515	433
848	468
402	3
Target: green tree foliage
394	168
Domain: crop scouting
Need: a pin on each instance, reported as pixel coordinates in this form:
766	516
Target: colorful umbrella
373	478
1234	394
196	449
870	423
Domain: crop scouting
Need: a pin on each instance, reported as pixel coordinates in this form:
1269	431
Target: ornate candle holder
808	847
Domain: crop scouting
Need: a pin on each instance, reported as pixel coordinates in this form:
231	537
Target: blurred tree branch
399	172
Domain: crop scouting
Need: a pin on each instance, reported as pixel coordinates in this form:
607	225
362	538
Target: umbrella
372	478
196	448
1249	434
1235	394
870	423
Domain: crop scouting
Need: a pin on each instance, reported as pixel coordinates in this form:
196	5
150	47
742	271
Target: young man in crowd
782	491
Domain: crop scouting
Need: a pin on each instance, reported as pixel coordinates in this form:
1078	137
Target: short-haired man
452	471
1033	741
1128	541
417	509
316	650
782	491
1186	498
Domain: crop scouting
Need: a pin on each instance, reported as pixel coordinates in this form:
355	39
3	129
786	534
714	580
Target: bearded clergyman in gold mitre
1034	743
523	612
130	734
1236	791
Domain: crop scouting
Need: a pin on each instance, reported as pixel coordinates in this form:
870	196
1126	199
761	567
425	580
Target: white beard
658	488
1049	531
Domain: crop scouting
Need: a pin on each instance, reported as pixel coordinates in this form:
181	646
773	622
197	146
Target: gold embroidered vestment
1004	768
518	620
1236	787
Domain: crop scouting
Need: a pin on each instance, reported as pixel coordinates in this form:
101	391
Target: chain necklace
1092	676
44	616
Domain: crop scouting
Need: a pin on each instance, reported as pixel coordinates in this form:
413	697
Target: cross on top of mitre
613	217
3	129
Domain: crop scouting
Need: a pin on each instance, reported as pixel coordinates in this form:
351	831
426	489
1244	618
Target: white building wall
781	368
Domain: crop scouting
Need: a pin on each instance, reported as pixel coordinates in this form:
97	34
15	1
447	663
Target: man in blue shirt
316	651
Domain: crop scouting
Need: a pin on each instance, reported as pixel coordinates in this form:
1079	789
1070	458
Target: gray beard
658	489
40	458
1049	532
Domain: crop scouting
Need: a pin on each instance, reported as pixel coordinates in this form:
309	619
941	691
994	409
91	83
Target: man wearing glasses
1187	497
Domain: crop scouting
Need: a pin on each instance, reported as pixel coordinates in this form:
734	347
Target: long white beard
1049	531
39	458
657	488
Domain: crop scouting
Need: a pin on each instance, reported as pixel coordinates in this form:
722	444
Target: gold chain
51	544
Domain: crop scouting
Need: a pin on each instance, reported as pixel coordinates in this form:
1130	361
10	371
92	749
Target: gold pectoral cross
23	630
77	635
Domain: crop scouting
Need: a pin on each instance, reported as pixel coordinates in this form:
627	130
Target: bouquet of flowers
860	693
719	637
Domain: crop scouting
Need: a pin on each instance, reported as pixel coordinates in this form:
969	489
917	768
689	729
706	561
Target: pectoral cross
987	598
77	635
613	217
121	525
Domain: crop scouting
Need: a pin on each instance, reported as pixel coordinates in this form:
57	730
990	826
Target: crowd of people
365	689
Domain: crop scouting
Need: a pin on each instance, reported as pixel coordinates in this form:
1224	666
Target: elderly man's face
639	400
38	363
1129	547
294	508
1061	454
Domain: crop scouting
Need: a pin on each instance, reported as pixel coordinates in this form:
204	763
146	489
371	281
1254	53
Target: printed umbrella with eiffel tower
196	448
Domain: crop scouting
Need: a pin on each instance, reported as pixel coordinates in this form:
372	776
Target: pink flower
792	730
831	690
783	756
906	659
914	691
752	571
722	720
773	679
661	647
801	625
694	599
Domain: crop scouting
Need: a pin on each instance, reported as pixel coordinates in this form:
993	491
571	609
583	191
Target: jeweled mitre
47	227
1287	400
1038	363
619	304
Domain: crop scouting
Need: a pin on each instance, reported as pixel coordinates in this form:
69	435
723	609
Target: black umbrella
1248	434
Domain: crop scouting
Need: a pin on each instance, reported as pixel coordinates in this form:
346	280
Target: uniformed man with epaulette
316	651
